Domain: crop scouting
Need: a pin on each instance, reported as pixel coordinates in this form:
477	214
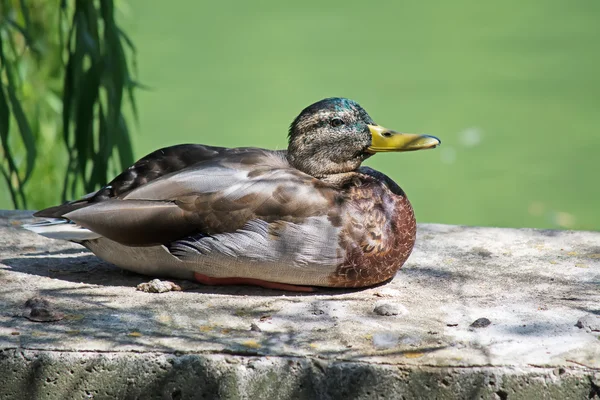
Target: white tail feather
58	228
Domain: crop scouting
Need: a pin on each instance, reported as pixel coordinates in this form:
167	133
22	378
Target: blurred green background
512	88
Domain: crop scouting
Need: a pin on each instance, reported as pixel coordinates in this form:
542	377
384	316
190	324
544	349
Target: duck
298	219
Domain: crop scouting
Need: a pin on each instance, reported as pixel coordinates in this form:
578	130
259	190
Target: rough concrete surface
414	337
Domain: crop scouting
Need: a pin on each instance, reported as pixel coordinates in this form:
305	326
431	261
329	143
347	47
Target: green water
512	88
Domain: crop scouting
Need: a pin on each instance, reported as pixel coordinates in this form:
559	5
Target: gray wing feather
212	197
306	250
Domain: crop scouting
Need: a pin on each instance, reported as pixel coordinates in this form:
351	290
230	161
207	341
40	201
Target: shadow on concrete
84	267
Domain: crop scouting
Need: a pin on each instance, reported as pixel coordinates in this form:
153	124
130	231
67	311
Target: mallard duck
293	220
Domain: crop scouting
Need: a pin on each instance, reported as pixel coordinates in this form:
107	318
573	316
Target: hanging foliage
63	70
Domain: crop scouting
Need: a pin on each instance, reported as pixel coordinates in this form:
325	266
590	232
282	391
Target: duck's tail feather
60	228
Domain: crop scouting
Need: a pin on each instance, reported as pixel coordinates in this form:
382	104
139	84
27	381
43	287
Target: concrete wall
535	295
84	375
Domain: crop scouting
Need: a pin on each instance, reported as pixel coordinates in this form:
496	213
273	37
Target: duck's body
248	215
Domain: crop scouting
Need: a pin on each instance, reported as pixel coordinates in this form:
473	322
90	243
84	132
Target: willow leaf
12	167
13	193
25	12
25	130
125	149
105	147
23	31
84	117
2	58
127	40
74	63
4	114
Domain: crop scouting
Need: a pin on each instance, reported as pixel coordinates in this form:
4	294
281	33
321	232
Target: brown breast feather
378	234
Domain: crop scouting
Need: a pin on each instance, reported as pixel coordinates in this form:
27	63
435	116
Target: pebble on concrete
40	310
158	286
589	323
480	323
389	309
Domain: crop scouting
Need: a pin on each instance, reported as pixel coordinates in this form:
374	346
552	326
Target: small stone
41	314
40	310
480	323
255	328
481	252
37	302
389	309
589	323
158	286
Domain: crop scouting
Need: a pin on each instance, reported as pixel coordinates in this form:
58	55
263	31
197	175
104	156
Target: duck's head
336	135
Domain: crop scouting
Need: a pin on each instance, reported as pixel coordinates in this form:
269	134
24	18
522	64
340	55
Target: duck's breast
377	236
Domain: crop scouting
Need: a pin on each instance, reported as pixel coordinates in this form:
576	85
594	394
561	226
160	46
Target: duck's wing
156	164
218	195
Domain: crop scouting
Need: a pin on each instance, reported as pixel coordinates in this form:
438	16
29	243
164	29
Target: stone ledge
237	342
127	375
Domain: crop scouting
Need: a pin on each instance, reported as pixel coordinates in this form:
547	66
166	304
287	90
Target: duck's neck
326	165
344	179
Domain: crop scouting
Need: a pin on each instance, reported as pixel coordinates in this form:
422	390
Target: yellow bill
384	140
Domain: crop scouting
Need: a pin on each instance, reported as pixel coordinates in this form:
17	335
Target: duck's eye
336	122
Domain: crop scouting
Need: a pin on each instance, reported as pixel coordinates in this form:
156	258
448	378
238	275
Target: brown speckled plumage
377	238
307	216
